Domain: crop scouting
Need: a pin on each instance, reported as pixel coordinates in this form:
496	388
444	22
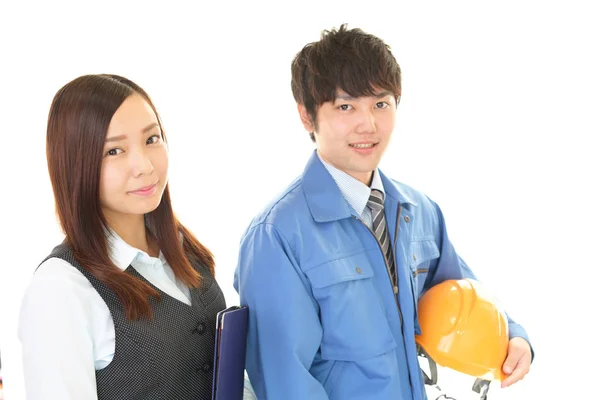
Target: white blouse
66	329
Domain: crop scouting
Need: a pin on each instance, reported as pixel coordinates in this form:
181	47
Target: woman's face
135	161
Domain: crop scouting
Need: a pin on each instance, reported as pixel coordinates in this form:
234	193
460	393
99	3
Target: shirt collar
325	200
354	191
121	253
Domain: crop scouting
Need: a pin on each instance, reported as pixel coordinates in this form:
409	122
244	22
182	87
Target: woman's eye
153	139
114	152
382	104
345	107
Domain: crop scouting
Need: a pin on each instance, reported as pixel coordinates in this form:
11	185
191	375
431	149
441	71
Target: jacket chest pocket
353	319
422	253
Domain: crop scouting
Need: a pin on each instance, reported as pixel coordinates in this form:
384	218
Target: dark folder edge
221	322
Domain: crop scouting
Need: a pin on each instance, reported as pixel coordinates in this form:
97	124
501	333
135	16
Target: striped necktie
380	230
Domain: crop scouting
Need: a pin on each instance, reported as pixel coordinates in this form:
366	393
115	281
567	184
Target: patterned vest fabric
168	357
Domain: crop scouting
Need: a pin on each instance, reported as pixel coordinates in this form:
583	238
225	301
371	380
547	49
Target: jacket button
201	328
406	218
415	257
359	270
206	368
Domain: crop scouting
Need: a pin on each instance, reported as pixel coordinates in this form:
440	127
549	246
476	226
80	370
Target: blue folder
230	353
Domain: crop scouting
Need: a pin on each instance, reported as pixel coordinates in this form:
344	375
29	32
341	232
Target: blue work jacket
325	322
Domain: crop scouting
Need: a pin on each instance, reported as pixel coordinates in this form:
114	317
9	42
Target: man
332	269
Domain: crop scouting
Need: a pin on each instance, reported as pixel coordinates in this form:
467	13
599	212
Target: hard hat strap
432	381
445	397
432	368
481	386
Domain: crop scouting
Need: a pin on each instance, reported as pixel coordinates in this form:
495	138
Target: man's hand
517	362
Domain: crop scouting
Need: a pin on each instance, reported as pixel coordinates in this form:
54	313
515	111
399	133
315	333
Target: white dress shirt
354	191
66	329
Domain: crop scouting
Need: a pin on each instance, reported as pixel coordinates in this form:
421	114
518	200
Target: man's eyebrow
383	94
379	95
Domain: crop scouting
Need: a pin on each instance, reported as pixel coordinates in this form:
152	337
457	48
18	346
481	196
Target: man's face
352	133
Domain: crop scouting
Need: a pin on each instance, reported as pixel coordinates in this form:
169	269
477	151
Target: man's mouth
363	145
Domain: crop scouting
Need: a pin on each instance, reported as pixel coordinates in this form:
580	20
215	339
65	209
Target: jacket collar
324	198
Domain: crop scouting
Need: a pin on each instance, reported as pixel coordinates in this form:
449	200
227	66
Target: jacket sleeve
284	331
451	266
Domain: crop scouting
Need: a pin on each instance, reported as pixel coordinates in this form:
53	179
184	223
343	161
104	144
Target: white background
498	123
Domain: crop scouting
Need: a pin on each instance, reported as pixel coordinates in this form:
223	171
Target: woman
125	307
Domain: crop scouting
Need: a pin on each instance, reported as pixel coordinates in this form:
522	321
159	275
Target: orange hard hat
463	328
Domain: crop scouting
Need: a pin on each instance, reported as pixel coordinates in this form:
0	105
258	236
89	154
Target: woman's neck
132	229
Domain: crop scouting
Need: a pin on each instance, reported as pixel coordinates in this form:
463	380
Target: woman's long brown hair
79	117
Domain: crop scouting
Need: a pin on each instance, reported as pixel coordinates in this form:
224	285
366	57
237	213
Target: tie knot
375	202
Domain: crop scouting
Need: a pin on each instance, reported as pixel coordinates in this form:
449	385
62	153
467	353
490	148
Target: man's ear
306	119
